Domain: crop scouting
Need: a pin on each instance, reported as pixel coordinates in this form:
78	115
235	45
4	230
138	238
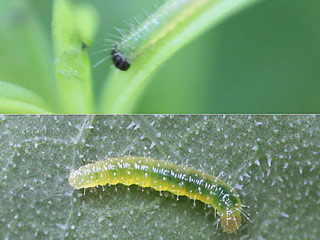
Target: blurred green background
265	59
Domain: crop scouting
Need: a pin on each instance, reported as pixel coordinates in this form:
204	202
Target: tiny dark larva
119	61
84	46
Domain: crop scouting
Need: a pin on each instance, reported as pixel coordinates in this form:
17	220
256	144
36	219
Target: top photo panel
160	56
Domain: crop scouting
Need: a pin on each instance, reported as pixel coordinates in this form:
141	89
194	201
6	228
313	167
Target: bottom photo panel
159	177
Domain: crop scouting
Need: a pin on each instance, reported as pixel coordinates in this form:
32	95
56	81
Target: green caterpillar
164	176
153	29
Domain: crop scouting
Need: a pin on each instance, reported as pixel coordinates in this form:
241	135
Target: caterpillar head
118	60
230	224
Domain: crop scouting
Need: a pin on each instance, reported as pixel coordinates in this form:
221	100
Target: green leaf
13	106
124	88
272	161
16	99
25	53
73	29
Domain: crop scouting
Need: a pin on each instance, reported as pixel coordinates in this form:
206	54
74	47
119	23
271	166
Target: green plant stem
73	70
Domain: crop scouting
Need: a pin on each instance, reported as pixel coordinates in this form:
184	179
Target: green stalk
74	26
